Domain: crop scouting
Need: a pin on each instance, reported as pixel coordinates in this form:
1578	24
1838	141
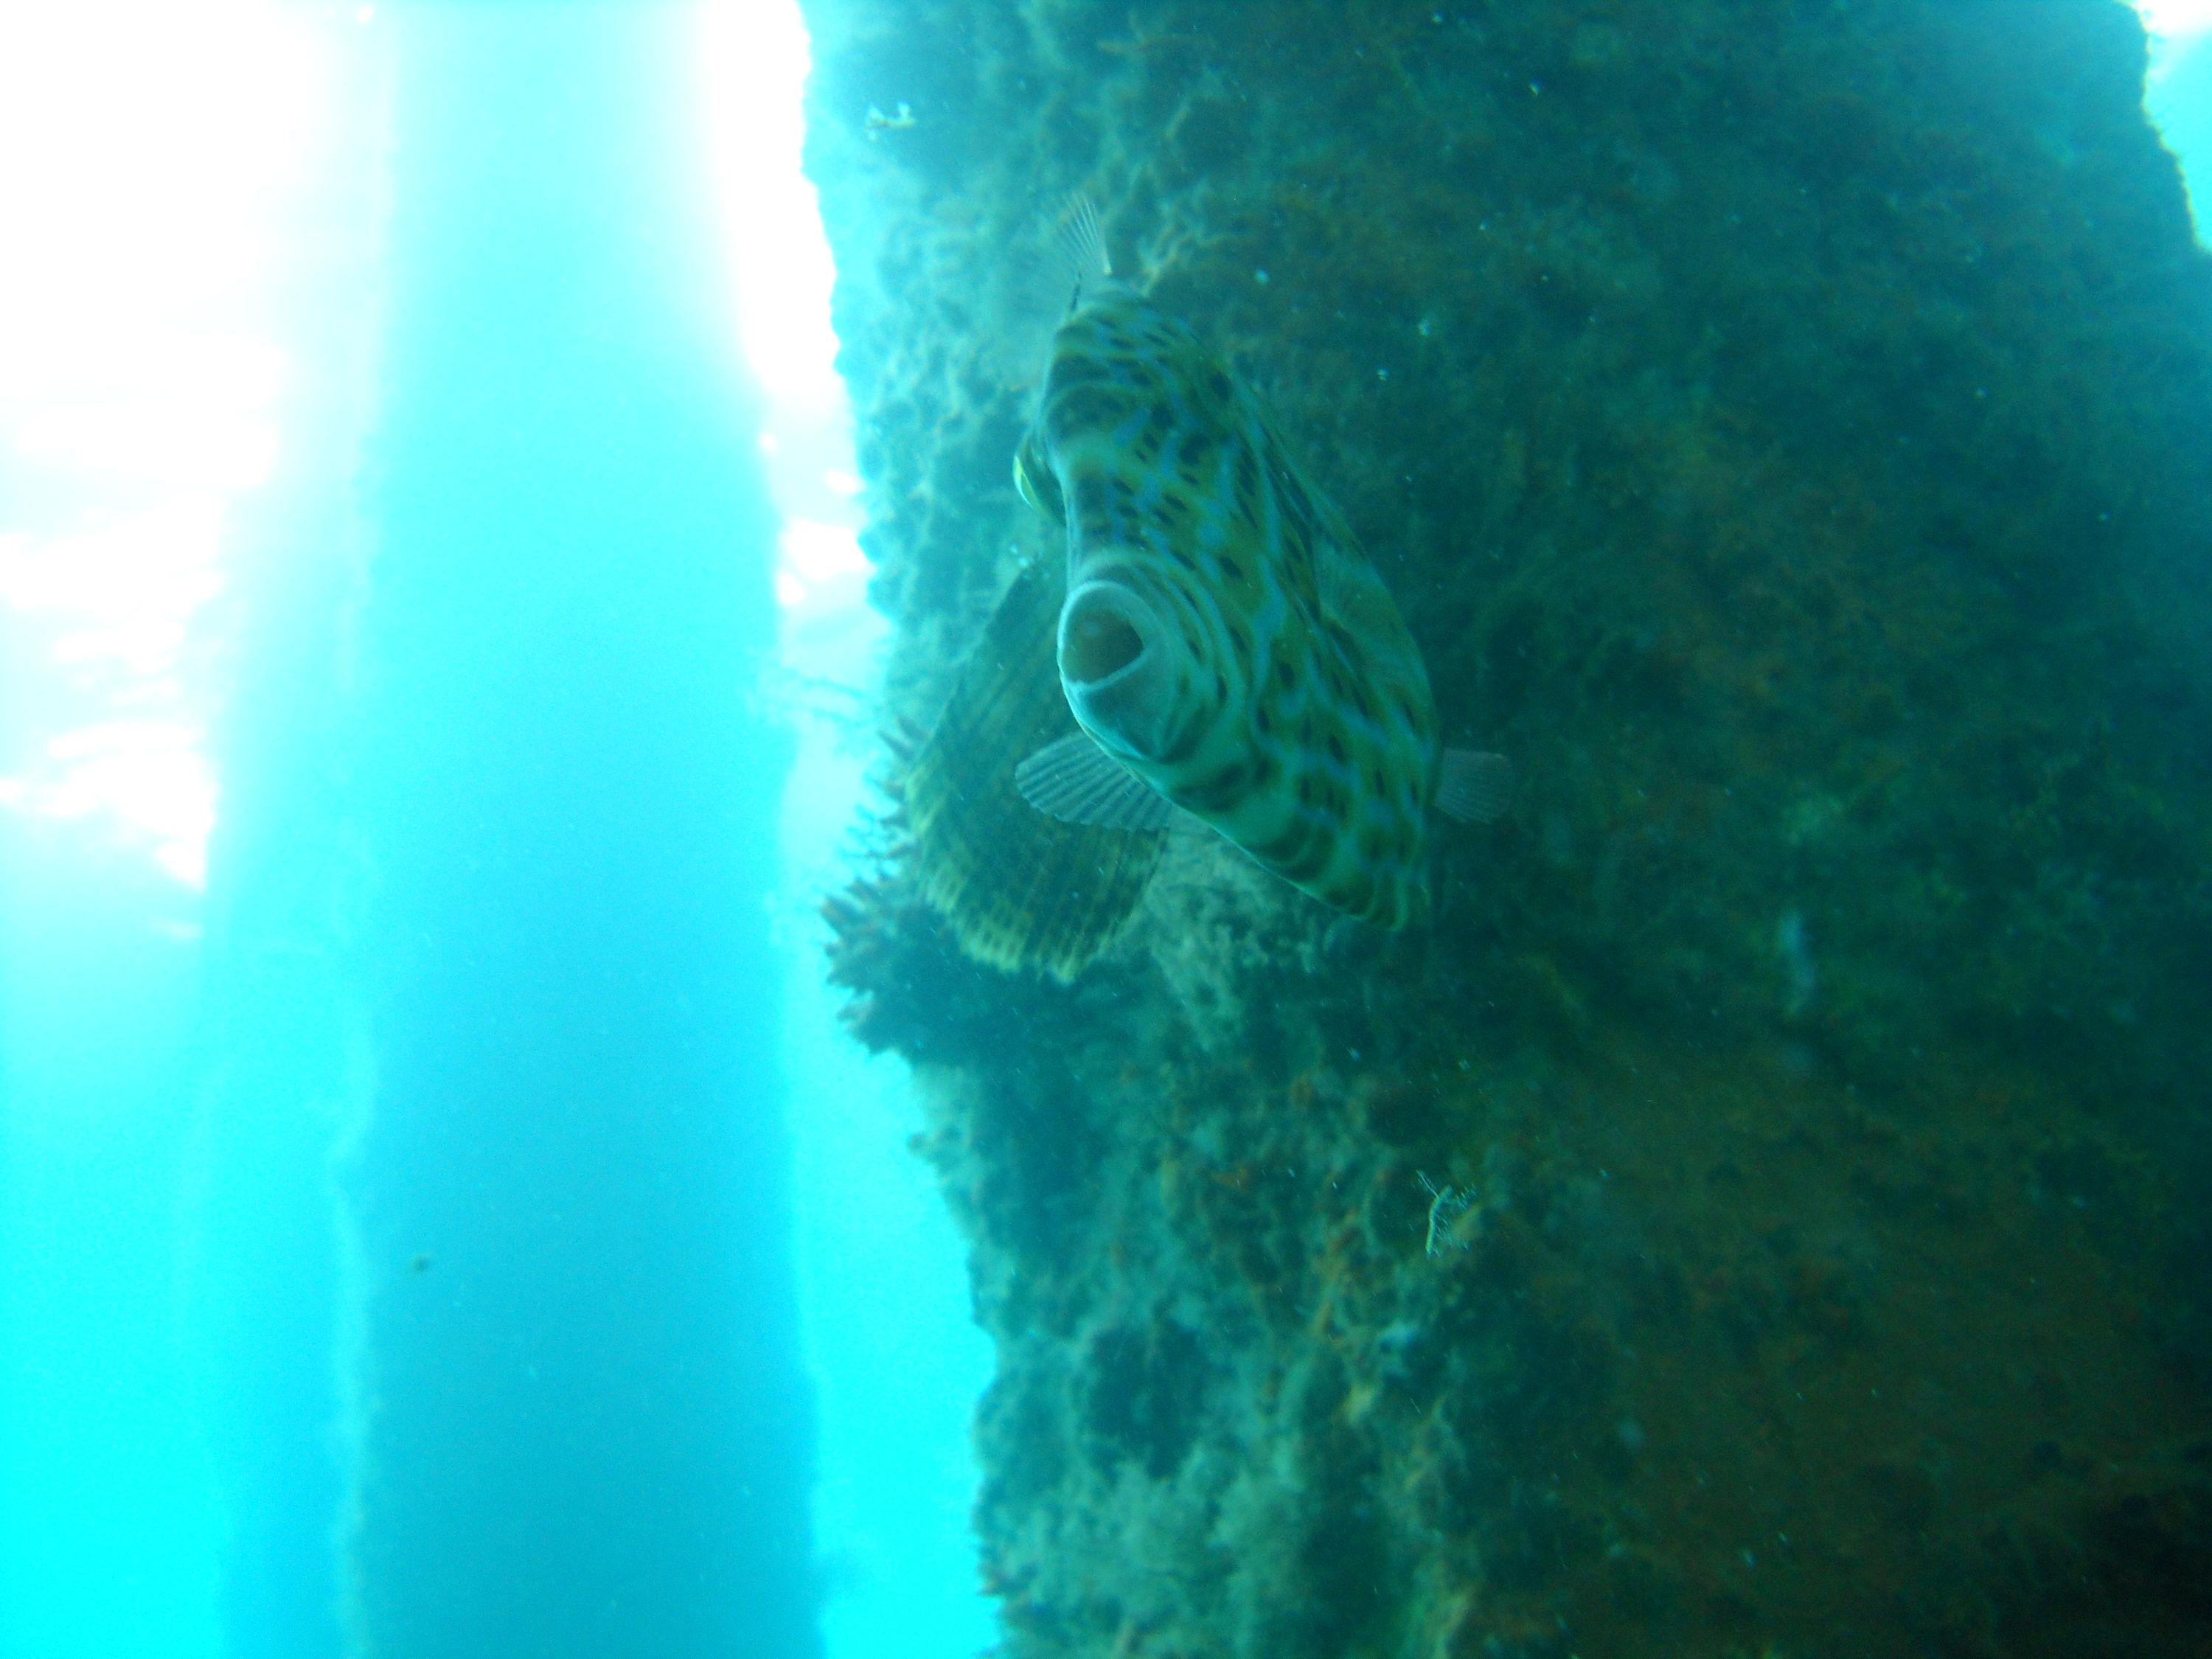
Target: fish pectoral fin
1351	591
1476	788
1075	780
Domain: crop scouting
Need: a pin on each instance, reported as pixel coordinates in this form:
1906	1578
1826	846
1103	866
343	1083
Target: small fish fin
1033	477
1075	780
1352	593
1084	240
1476	788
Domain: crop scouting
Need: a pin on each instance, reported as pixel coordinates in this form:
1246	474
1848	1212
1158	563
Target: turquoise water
399	1246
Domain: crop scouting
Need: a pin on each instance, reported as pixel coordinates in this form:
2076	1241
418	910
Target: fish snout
1113	666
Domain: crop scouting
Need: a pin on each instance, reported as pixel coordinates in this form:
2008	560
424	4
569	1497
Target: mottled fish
1225	646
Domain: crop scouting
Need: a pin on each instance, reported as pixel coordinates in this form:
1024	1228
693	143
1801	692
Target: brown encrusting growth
1788	432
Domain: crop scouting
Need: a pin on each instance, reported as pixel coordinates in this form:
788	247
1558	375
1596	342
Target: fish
1230	653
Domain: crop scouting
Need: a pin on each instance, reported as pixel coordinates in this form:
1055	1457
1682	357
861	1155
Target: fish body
1224	642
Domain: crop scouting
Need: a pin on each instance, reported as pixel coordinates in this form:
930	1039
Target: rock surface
1788	430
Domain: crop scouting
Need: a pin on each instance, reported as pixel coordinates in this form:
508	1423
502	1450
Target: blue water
399	1247
110	1539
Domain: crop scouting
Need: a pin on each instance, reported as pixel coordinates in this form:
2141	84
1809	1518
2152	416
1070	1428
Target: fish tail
1023	891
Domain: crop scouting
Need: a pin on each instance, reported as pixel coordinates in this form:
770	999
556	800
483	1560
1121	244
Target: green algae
1787	429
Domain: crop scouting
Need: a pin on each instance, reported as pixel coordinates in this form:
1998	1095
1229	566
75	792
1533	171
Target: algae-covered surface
1764	1210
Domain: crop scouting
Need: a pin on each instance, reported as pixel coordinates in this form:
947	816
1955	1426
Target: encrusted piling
1788	431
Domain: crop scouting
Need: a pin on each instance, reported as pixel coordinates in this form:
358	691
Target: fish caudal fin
1075	780
1022	891
1476	788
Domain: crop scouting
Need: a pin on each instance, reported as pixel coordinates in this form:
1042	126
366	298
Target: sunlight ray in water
882	1291
756	61
2177	94
146	153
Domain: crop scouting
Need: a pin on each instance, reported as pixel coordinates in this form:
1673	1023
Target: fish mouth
1111	666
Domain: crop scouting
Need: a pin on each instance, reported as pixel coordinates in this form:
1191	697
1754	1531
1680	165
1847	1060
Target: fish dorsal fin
1082	250
1476	786
1075	780
1084	238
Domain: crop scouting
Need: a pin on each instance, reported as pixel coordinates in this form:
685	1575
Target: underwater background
511	1142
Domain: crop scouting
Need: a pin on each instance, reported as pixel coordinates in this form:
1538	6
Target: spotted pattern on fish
1293	712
